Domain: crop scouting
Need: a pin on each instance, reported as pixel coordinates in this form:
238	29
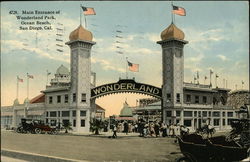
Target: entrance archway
126	85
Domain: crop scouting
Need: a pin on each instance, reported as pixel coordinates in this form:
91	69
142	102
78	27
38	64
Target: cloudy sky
217	32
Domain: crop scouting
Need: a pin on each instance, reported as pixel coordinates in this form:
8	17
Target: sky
217	32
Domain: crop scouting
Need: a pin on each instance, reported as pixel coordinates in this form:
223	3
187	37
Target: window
188	98
52	114
50	99
169	113
196	99
47	114
204	99
83	97
82	113
224	122
216	114
178	98
223	114
58	99
66	98
216	122
178	113
168	97
74	123
59	114
209	113
199	114
74	113
82	123
204	113
195	113
65	113
230	114
188	113
187	123
74	97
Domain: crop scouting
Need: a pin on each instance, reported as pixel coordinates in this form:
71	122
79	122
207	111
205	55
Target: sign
126	85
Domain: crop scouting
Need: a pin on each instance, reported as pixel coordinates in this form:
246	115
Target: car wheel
38	131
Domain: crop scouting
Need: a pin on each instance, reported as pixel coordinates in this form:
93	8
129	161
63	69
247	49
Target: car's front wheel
38	131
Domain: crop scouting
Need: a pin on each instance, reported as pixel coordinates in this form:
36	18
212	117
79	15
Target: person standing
114	131
157	129
125	127
164	130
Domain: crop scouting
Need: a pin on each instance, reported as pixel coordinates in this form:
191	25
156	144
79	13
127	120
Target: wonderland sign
126	85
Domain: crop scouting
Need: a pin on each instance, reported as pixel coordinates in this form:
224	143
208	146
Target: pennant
179	11
88	11
133	67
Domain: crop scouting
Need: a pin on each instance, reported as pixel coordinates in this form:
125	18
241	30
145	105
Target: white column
78	120
14	118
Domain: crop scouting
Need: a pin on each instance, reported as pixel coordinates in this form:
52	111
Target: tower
172	44
80	70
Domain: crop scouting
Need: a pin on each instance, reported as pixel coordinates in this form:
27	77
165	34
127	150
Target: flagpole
47	77
172	11
210	78
126	68
85	21
27	86
215	80
80	15
17	86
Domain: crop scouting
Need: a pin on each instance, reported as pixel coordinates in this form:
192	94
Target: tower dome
81	34
126	111
172	32
62	70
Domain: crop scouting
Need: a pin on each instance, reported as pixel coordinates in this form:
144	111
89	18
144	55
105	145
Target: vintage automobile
35	126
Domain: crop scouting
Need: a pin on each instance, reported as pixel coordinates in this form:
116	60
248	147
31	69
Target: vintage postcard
124	81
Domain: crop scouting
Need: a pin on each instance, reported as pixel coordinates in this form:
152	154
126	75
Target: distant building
238	98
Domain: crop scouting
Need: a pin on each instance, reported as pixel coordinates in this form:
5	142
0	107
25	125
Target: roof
80	34
172	32
199	89
99	108
126	110
38	99
62	70
56	89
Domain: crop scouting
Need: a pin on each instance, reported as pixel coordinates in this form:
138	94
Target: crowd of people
149	129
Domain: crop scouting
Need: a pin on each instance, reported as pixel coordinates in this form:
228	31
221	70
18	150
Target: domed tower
62	77
80	53
172	44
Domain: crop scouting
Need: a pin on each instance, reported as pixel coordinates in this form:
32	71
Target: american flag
133	67
88	11
19	79
179	11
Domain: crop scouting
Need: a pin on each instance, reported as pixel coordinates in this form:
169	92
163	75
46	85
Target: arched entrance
126	85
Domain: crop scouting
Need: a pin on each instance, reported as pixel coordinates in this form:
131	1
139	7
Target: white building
67	98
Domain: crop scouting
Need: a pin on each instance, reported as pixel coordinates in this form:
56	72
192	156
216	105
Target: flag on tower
30	76
179	11
88	11
19	79
217	76
133	67
205	77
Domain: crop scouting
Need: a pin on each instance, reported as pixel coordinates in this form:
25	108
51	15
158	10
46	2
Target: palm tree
67	126
96	125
